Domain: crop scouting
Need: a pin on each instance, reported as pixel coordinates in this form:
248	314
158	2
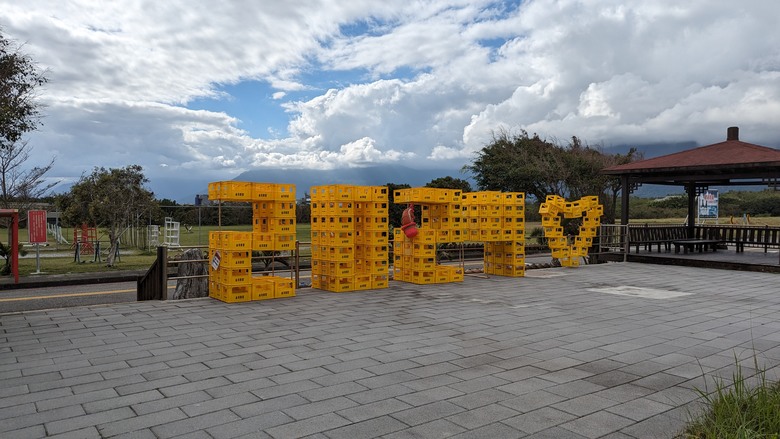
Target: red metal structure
86	237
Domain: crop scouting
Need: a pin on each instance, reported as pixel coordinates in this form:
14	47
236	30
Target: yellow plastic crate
423	277
227	240
424	263
235	293
341	223
372	237
262	241
284	242
262	288
340	254
230	191
273	191
361	282
317	281
340	284
379	281
283	287
340	268
231	275
273	225
379	193
231	259
274	209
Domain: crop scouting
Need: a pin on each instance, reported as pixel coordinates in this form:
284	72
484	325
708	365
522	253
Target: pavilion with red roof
729	163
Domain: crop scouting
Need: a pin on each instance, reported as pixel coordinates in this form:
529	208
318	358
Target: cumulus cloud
427	81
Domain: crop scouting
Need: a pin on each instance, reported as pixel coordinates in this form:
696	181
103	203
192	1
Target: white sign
216	260
708	204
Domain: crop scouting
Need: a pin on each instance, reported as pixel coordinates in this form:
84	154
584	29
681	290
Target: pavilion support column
691	189
625	192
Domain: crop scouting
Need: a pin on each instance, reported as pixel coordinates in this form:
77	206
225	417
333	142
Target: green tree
450	183
523	163
520	163
108	198
19	114
19	79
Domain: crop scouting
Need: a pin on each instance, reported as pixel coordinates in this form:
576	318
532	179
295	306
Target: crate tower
415	260
349	235
587	208
230	252
497	219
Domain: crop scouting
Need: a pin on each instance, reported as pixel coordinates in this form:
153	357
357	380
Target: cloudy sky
199	91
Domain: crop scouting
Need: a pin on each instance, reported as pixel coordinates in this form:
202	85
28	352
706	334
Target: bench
698	244
742	236
659	236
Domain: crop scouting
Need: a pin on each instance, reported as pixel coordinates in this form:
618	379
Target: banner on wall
708	204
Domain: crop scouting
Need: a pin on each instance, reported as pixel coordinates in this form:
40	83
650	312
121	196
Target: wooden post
625	192
691	226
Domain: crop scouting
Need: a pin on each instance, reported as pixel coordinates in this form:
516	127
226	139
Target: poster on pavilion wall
708	204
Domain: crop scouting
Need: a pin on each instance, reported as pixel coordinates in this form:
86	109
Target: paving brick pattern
541	356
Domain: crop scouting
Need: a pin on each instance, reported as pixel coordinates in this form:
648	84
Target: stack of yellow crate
587	208
497	219
230	252
442	222
349	237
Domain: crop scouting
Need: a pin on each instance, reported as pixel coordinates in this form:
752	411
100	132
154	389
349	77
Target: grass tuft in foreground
746	409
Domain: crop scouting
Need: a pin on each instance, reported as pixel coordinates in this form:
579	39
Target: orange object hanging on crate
407	222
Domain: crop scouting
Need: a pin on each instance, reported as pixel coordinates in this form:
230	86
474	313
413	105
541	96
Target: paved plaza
612	350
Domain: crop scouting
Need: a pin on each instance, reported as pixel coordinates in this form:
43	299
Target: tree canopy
449	182
19	79
538	167
109	198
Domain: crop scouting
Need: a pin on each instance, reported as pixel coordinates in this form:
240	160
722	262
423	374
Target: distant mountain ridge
303	179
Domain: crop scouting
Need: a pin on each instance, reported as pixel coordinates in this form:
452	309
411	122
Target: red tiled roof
731	153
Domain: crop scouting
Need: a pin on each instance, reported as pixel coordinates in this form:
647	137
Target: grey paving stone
584	405
97	395
322	393
253	427
34	397
376	409
17	410
212	405
140	422
639	409
495	430
482	416
532	401
269	405
308	426
188	387
35	431
538	420
432	430
78	422
143	385
156	405
84	433
312	409
370	428
427	413
555	433
30	419
386	392
196	423
597	424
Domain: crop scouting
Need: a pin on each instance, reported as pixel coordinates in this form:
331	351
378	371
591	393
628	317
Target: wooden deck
751	259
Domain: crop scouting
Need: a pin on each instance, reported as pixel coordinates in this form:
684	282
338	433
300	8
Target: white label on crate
216	260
